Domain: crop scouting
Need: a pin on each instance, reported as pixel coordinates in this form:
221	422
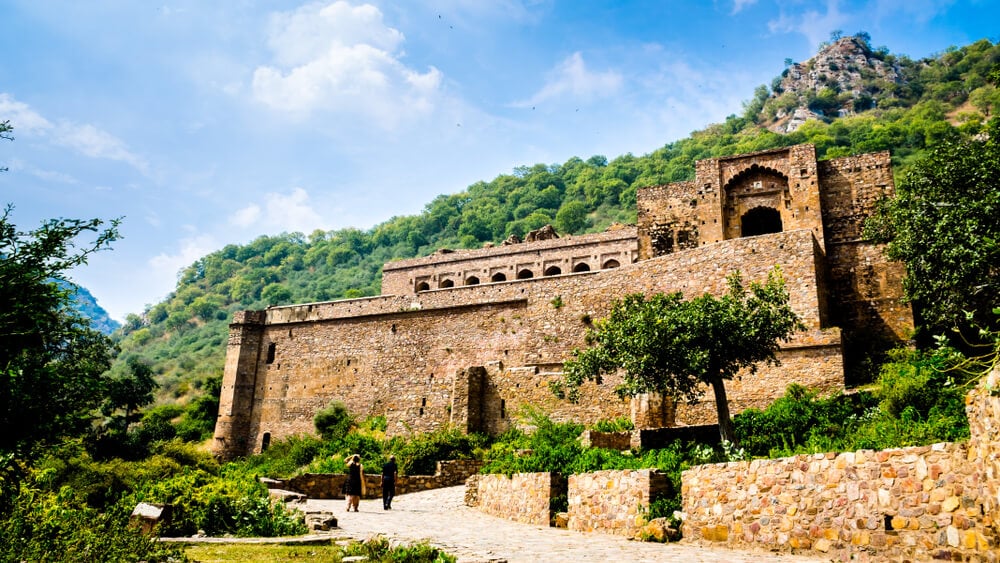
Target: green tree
572	217
334	421
129	392
51	361
944	224
667	345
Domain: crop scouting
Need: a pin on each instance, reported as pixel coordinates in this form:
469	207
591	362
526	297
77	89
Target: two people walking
354	486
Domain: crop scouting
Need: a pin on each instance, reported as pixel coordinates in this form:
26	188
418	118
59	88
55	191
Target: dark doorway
760	221
553	271
498	277
472	280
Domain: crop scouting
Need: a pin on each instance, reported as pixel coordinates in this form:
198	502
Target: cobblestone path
440	518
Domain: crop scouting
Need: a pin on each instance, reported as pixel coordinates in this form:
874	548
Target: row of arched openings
524	274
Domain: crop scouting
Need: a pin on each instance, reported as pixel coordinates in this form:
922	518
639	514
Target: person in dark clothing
389	473
355	486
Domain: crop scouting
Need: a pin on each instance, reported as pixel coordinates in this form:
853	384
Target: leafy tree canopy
667	345
51	361
944	224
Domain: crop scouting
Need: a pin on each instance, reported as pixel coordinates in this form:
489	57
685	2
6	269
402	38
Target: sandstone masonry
467	338
920	503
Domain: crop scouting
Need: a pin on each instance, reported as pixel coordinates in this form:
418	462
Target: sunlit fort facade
467	338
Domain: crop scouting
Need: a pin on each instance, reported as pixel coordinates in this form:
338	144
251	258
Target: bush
333	422
378	549
419	455
233	503
620	424
48	526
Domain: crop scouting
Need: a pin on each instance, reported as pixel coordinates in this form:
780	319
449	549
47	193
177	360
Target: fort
467	338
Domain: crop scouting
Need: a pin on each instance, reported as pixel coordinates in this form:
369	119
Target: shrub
620	424
378	549
234	502
333	422
419	454
48	526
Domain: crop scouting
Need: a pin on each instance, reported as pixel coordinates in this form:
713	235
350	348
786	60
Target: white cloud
53	176
288	212
95	143
815	26
22	117
693	97
246	216
83	138
738	5
343	59
571	79
297	38
168	266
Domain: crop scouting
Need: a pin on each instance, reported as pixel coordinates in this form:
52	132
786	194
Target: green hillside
183	337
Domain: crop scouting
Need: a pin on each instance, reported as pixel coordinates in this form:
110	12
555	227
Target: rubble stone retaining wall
612	502
522	497
330	485
928	502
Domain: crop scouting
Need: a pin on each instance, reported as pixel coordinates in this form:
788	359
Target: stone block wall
612	502
522	497
398	356
330	485
928	502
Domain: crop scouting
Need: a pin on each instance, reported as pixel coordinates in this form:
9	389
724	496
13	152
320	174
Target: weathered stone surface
522	497
613	502
920	503
320	521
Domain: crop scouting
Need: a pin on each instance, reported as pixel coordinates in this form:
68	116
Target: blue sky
209	123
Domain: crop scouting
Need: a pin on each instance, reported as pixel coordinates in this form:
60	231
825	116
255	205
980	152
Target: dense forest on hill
183	337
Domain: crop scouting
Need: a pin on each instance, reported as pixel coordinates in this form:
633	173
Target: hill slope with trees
183	337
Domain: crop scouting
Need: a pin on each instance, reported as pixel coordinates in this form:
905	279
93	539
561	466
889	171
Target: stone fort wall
399	356
445	345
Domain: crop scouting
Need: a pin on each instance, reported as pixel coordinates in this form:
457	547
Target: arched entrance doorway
760	221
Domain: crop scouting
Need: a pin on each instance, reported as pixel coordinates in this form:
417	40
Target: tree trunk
722	408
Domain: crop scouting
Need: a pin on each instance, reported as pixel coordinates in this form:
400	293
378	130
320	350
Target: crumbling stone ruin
469	337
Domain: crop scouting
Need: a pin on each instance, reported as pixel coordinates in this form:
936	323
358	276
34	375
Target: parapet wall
612	502
608	502
522	497
928	502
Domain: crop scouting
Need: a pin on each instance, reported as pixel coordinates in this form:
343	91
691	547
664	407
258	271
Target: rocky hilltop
845	77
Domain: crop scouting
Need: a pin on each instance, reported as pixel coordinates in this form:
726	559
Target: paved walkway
440	518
